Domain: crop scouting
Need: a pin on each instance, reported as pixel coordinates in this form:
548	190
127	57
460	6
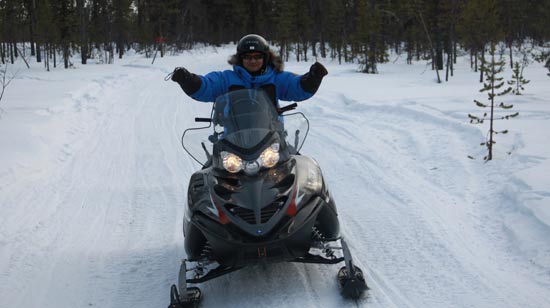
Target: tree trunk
120	48
33	52
339	53
15	52
83	22
32	25
346	55
47	56
52	51
511	55
482	64
66	54
305	49
38	53
111	54
451	62
84	53
448	67
409	51
372	41
439	55
12	60
490	145
455	47
2	53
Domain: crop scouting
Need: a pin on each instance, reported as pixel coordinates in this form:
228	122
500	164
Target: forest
358	31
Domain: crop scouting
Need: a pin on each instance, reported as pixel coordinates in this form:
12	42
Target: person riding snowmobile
254	66
256	200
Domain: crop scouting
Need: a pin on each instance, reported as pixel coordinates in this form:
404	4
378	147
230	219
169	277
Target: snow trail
414	233
92	209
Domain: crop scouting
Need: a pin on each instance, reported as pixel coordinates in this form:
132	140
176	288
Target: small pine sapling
518	81
492	85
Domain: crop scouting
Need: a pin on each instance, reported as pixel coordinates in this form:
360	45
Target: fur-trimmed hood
274	60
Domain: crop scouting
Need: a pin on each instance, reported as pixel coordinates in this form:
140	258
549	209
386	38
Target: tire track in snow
103	221
388	159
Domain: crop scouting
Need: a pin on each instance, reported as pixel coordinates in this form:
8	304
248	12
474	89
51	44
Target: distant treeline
348	30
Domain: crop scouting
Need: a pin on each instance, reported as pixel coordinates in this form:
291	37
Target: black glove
311	81
180	75
318	70
189	82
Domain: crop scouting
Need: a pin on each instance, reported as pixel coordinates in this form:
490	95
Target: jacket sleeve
212	86
289	87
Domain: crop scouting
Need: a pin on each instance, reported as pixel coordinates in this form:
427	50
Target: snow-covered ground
93	185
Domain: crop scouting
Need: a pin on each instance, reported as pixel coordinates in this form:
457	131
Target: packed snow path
95	221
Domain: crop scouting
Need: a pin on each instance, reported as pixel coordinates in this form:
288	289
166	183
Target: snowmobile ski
350	277
191	299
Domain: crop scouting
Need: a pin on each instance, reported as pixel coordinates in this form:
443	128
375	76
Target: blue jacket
287	85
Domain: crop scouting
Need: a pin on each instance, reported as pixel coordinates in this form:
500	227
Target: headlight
270	156
268	159
232	162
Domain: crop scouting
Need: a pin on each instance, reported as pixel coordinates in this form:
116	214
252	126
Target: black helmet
251	43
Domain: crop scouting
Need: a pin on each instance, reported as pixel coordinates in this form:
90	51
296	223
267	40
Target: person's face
253	61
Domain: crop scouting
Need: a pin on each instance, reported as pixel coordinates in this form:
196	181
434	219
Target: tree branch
5	80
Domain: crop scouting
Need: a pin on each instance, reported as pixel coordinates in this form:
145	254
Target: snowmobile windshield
245	117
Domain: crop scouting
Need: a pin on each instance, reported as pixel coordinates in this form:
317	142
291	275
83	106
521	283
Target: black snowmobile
256	198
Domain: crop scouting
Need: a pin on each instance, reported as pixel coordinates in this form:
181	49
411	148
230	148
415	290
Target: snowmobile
256	198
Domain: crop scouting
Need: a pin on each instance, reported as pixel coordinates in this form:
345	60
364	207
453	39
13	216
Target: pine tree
335	25
47	32
418	8
369	26
513	18
10	26
101	28
518	81
66	23
355	30
492	85
478	25
121	17
30	8
83	21
286	15
303	24
538	15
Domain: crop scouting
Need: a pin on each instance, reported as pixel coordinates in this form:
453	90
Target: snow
93	186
